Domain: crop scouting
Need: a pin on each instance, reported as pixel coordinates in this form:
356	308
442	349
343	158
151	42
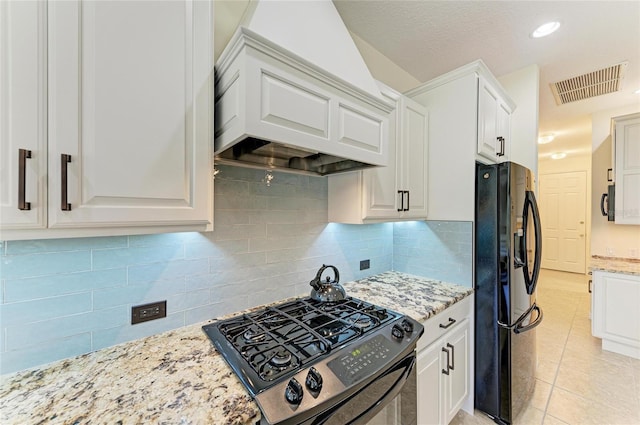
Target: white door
129	90
487	121
563	214
428	385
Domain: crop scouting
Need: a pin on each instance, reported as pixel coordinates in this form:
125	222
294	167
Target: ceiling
429	38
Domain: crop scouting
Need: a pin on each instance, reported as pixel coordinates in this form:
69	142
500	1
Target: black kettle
329	290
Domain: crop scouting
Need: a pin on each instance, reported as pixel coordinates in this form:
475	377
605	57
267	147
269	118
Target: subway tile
239	231
111	258
204	313
251	259
137	294
232	305
215	249
47	352
166	238
167	270
225	202
44	309
187	300
70	244
204	281
103	338
31	265
16	290
20	336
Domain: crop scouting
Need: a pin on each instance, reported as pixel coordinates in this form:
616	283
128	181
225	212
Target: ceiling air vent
603	81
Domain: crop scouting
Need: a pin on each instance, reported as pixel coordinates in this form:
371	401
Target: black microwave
608	203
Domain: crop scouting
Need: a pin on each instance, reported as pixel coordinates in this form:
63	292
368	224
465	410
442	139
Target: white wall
383	69
523	88
608	239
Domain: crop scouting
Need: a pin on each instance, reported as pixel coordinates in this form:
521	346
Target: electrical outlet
146	312
364	264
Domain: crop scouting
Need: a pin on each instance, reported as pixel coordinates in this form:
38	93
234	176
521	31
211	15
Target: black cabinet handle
446	371
407	209
401	193
23	154
590	281
609	174
64	160
448	325
453	357
501	140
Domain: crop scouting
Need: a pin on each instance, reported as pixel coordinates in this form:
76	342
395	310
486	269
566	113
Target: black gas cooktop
273	343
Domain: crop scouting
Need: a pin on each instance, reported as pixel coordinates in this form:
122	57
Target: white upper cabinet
395	192
494	119
469	121
627	169
23	114
125	96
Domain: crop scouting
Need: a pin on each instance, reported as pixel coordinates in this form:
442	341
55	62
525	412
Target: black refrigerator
507	265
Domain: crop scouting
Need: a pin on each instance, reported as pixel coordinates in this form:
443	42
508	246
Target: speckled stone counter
414	296
615	265
177	377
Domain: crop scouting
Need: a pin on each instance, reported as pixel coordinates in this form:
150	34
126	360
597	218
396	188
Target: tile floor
577	382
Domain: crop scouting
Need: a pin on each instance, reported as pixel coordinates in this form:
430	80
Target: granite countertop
178	377
615	265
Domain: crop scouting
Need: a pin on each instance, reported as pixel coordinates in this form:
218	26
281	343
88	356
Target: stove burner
363	322
281	358
252	336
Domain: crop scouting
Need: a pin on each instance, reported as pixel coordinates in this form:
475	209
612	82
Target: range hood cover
307	36
313	30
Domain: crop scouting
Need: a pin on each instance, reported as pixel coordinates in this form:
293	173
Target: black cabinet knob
294	392
397	332
407	326
314	380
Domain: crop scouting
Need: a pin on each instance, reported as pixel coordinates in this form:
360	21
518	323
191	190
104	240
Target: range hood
294	94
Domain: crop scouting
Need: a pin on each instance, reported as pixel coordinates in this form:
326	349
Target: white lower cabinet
444	366
615	314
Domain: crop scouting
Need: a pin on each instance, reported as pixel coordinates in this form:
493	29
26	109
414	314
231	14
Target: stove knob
294	392
314	380
407	326
397	332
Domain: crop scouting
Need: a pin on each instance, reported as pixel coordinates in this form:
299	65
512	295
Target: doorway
563	216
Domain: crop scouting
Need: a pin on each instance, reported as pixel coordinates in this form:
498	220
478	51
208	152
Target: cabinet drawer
448	317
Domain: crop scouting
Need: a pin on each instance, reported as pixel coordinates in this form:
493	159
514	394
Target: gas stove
302	358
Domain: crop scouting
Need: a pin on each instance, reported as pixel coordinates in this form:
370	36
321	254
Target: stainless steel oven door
366	403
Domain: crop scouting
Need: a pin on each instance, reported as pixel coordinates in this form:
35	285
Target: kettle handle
316	282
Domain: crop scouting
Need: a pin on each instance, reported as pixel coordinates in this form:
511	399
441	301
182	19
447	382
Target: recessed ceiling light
558	155
545	29
637	91
548	138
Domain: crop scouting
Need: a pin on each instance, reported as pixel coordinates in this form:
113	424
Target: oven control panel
360	360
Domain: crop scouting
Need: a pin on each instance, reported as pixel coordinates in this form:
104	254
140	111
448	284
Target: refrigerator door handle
530	203
517	325
519	328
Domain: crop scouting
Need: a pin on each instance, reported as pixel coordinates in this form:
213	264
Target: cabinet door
23	114
503	138
129	95
627	166
381	183
487	120
458	381
415	149
615	312
428	378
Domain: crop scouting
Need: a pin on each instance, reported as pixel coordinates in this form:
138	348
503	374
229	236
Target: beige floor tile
604	386
529	416
541	395
552	420
547	370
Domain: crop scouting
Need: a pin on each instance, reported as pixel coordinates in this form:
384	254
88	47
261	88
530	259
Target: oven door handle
408	363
